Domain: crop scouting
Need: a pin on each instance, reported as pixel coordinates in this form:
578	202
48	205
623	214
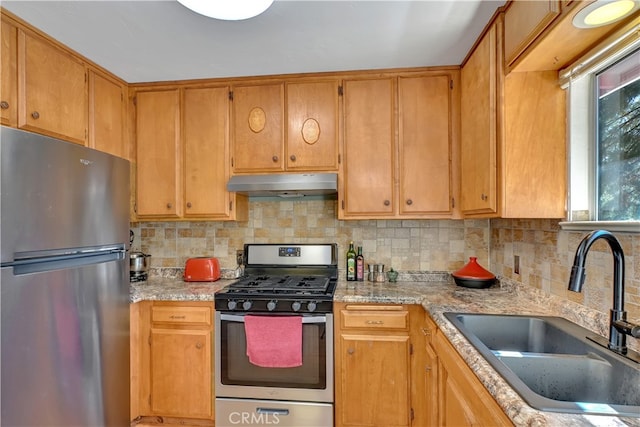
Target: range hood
285	185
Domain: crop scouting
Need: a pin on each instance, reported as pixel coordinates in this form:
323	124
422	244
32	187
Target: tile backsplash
545	252
405	245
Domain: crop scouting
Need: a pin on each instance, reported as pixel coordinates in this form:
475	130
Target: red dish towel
274	341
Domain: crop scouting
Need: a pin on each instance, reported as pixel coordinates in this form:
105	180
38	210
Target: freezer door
57	194
65	346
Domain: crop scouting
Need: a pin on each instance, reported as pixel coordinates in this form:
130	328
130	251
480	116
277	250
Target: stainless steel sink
554	367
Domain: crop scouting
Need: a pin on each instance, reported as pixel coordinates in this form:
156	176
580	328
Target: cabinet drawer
200	316
386	320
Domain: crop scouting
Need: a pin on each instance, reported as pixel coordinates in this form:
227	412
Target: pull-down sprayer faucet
619	328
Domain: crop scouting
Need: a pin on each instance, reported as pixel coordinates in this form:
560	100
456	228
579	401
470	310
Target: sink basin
552	365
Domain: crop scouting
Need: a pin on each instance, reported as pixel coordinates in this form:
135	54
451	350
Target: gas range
283	278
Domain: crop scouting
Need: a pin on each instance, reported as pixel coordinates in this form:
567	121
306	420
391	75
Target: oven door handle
240	318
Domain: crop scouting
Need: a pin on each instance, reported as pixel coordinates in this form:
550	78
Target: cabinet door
158	190
463	400
52	90
524	21
258	136
8	74
425	144
312	133
107	115
369	155
479	128
181	373
374	380
206	150
455	410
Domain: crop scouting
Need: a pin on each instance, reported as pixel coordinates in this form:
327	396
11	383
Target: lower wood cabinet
172	363
462	399
376	356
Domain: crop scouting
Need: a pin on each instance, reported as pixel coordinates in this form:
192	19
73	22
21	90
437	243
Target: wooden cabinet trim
372	320
182	315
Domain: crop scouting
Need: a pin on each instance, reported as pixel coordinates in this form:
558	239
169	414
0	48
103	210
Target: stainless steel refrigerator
64	293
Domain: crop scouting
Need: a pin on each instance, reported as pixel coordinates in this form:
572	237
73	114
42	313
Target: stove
283	278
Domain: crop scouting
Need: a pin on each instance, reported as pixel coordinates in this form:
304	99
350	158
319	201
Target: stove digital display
289	251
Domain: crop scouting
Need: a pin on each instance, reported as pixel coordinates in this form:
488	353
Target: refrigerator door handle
60	262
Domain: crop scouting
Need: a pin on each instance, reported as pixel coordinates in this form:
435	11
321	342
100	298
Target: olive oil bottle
351	263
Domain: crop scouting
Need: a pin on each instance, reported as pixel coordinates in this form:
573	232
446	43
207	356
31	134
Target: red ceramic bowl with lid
473	275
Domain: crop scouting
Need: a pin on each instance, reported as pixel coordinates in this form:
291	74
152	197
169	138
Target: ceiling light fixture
228	10
603	12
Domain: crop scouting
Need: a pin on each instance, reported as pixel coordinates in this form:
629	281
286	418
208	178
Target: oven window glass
237	370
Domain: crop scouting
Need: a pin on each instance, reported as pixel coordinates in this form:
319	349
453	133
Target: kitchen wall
411	245
546	252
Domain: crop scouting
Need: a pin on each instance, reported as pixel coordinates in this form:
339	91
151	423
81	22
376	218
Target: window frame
583	127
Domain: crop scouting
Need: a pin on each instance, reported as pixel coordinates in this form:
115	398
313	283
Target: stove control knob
231	305
296	306
246	305
271	305
311	307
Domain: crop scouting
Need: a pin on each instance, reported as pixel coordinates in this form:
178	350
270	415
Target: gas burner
283	278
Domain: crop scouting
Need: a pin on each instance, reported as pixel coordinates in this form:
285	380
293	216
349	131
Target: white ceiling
149	40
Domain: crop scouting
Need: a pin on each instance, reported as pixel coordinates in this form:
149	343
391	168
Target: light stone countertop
438	294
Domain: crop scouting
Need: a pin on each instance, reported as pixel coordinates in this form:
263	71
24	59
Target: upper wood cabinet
182	151
368	176
540	35
107	115
262	142
158	154
8	74
481	80
206	153
52	90
513	141
258	128
312	125
524	20
427	129
409	175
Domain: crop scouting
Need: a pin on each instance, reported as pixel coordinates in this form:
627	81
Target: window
618	141
603	96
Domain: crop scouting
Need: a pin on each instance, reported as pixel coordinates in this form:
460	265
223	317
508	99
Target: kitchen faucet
619	328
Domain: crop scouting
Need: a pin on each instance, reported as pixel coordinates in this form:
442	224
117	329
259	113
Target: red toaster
202	269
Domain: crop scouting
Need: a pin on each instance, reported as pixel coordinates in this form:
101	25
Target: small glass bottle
360	265
351	263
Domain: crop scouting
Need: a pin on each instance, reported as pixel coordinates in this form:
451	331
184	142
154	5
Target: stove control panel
274	306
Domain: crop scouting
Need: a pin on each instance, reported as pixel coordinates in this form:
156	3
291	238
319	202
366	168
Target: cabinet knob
387	202
351	350
484	197
35	115
409	202
199	345
275	159
4	105
188	204
169	205
292	157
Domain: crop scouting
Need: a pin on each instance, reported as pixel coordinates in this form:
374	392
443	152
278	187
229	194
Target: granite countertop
437	294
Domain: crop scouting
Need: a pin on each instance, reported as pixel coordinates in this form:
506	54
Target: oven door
310	382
